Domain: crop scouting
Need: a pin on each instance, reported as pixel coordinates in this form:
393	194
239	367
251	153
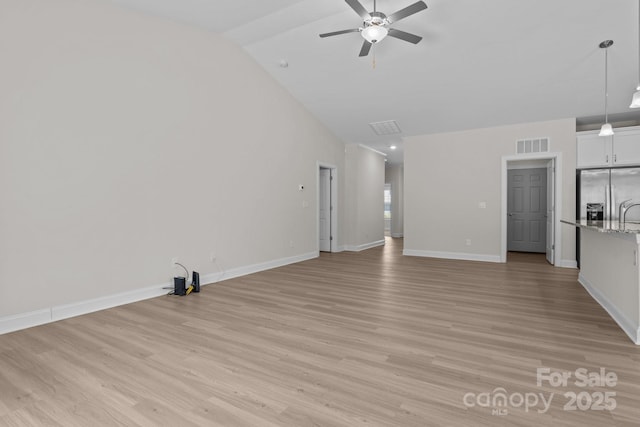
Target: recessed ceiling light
393	147
283	63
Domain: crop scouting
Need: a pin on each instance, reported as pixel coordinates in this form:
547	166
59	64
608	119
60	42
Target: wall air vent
390	127
532	145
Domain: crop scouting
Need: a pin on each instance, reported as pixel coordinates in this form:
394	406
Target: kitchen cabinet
620	149
626	148
593	151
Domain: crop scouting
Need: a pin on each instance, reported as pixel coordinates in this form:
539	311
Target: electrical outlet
174	261
290	243
212	257
468	242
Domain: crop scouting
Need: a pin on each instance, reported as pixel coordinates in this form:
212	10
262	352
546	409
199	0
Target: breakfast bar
609	270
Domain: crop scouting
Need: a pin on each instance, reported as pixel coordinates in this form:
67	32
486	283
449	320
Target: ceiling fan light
374	33
635	101
606	130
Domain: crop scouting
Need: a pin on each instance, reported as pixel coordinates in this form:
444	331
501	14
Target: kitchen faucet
625	209
622	207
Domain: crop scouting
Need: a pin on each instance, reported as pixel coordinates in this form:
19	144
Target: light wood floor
370	338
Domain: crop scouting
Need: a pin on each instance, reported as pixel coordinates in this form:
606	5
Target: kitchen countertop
605	226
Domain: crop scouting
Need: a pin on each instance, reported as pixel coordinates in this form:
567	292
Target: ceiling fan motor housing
377	18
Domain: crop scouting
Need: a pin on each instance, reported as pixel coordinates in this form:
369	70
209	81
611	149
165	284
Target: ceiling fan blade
408	37
407	11
366	47
337	33
359	8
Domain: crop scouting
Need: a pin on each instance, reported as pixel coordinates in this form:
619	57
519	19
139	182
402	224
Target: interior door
550	244
325	210
527	210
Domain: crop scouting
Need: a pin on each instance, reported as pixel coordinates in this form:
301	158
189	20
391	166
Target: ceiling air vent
390	127
533	145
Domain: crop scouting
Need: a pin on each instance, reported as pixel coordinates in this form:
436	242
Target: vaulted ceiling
480	63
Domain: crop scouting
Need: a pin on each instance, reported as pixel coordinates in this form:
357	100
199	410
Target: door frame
551	199
557	202
333	244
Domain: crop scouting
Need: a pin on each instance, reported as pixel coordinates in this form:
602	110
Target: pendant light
635	102
606	129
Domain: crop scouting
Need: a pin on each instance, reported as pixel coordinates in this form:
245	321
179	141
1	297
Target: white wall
365	198
448	175
128	140
394	175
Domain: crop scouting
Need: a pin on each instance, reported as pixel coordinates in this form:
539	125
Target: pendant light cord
606	81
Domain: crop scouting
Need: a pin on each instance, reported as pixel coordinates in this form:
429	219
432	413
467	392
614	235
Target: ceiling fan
376	25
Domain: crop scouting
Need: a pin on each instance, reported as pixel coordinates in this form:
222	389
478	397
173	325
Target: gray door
527	210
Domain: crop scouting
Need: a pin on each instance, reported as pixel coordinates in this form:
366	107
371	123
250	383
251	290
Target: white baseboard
89	306
255	268
397	235
567	263
59	312
52	314
452	255
24	320
628	326
364	246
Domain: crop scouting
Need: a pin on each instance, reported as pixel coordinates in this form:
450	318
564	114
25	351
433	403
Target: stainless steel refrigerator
607	189
600	192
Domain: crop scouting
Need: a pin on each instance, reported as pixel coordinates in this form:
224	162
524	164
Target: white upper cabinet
593	151
621	149
626	148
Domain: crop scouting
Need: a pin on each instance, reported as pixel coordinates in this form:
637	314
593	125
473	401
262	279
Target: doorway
387	209
552	163
527	210
327	208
